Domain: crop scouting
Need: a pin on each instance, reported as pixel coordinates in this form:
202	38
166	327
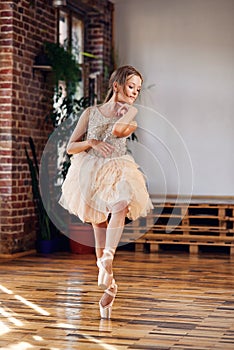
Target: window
71	35
77	39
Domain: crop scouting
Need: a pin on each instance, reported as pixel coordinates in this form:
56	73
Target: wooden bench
194	224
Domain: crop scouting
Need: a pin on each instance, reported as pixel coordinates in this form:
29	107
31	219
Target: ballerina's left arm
125	126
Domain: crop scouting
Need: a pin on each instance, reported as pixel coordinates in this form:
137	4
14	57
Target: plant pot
78	248
81	239
46	246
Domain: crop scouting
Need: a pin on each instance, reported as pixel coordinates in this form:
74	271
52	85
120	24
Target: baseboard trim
17	255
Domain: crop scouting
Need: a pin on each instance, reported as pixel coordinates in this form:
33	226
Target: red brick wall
24	104
25	99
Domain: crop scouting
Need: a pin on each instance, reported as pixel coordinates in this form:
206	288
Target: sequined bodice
100	128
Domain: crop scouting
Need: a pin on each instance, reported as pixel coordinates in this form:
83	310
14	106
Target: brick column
6	68
24	105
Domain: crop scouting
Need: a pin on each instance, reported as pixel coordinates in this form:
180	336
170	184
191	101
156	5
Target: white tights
107	235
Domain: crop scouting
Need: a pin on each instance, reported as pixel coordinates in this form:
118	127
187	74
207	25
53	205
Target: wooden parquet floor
165	301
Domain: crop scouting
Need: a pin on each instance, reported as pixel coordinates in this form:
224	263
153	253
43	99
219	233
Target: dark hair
120	76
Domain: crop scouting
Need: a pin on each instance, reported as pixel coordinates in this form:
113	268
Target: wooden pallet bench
193	224
194	242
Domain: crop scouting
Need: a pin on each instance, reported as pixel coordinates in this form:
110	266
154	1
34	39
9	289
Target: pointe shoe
104	277
105	311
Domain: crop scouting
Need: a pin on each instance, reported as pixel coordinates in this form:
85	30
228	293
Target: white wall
185	50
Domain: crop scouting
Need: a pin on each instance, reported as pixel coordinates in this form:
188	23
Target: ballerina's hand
102	147
123	109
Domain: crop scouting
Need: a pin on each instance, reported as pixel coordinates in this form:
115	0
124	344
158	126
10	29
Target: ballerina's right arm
76	145
126	124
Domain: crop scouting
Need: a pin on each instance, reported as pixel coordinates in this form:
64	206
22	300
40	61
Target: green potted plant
66	107
64	67
46	231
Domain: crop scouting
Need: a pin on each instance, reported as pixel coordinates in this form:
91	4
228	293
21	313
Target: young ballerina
104	184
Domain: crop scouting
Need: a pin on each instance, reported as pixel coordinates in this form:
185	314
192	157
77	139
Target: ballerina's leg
100	238
113	235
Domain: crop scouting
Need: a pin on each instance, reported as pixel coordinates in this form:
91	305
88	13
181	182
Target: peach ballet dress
94	184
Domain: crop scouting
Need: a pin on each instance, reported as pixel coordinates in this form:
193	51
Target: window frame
74	13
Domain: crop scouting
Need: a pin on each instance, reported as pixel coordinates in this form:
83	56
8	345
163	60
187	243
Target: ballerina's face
129	92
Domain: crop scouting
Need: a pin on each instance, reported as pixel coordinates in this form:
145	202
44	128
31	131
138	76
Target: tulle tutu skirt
94	185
